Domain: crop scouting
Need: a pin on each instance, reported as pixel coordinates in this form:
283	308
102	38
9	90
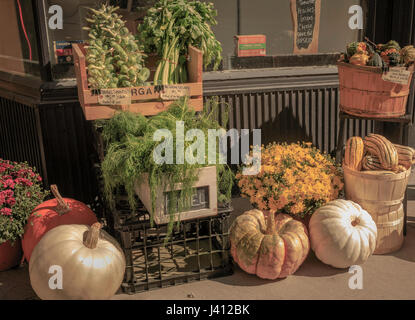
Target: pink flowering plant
20	192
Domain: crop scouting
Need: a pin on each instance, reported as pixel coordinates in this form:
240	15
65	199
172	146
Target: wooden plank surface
146	108
146	92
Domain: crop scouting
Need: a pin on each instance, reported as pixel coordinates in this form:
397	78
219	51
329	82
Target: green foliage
170	27
130	150
20	192
114	55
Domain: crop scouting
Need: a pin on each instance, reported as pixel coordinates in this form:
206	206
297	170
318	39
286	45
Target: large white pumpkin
76	262
342	234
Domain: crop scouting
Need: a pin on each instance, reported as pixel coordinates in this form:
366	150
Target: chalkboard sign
306	20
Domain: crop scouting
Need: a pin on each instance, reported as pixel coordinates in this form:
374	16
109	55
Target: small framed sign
63	51
204	202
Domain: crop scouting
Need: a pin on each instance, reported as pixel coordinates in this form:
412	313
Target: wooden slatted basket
381	195
364	93
147	100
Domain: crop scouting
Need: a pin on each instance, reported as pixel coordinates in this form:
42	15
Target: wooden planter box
147	100
206	183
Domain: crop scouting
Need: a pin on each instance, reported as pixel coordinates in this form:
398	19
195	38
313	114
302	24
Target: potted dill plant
20	192
129	161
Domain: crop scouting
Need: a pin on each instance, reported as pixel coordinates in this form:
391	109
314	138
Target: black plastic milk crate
197	249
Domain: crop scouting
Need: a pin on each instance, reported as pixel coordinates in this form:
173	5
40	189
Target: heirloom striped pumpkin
354	153
379	146
406	155
269	245
372	163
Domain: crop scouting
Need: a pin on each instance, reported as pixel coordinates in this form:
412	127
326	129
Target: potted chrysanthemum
20	192
294	179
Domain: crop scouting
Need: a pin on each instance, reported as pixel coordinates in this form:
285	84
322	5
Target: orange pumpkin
270	248
53	213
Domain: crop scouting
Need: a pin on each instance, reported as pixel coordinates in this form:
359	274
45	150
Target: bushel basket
364	93
381	195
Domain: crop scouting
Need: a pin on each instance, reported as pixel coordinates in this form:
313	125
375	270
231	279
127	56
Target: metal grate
291	115
20	135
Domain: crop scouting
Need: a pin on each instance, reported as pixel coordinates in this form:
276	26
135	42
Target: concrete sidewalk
384	277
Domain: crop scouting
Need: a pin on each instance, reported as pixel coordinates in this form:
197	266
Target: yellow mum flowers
294	179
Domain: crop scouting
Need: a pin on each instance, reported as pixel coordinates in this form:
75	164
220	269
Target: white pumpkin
76	262
342	234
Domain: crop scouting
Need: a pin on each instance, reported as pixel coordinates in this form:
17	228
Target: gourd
406	155
272	249
351	49
381	147
408	54
355	47
392	44
342	234
372	163
92	264
359	59
394	59
51	214
354	153
375	61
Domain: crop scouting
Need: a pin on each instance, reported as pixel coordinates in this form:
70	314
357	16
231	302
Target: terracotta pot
10	255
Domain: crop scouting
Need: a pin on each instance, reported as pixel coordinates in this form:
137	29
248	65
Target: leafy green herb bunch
170	27
130	146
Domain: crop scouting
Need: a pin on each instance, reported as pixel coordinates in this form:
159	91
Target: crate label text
112	97
174	92
397	75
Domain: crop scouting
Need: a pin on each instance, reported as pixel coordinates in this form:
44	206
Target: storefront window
272	19
74	13
18	50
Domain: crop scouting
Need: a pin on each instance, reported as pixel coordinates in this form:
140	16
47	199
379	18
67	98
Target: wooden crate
147	100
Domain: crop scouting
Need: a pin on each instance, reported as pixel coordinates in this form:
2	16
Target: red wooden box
251	46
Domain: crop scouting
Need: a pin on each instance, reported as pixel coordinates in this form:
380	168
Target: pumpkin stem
355	222
92	236
62	206
271	222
